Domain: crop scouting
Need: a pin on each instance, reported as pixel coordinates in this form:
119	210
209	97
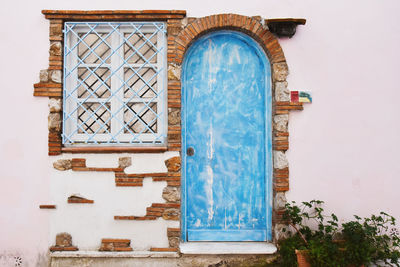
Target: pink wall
343	147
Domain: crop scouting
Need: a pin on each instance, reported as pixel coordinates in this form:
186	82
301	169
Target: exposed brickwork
248	25
123	179
79	164
63	243
115	245
173	177
288	106
47	89
168	211
55	248
173	237
79	200
281	179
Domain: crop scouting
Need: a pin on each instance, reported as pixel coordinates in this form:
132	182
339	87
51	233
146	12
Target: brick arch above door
248	25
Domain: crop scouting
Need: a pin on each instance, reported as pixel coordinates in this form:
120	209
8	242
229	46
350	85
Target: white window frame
71	137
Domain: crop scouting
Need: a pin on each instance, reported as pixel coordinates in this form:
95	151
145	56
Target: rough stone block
124	162
54	105
171	214
171	194
55	49
280	160
281	231
54	121
281	122
174	72
279	201
62	164
280	71
44	76
173	242
56	76
173	164
174	116
282	93
63	240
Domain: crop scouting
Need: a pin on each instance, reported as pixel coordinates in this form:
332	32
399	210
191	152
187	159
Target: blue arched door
226	137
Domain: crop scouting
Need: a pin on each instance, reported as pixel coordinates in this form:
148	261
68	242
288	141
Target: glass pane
94	81
140	84
93	50
94	118
139	118
140	48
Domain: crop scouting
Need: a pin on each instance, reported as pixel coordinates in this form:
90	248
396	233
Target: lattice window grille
114	83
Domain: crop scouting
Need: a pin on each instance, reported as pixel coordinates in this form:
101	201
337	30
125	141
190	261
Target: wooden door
226	140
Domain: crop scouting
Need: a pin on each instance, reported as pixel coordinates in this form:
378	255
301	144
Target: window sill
227	248
115	149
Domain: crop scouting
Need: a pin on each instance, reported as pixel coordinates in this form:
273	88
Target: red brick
174	183
123	217
113	240
202	24
152	209
128	184
243	21
196	27
81	201
164	249
129	180
47	206
220	20
166	205
173	232
238	21
281	189
252	24
188	34
208	22
157	214
55	248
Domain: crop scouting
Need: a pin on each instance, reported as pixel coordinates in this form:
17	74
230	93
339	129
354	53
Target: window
114	83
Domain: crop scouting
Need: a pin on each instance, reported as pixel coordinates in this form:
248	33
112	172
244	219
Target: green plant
372	240
355	243
313	231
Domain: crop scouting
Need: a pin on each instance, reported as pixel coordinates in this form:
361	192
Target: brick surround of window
182	32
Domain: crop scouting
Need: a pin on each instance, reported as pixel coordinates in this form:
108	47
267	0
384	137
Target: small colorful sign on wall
300	97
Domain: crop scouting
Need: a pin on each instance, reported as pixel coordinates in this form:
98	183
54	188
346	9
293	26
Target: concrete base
150	259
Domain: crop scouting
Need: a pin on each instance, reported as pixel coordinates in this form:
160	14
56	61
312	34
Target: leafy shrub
362	241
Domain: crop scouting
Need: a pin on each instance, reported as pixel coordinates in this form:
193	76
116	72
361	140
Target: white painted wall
89	223
343	147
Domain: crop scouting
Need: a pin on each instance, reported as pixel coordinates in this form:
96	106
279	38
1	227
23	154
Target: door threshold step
227	248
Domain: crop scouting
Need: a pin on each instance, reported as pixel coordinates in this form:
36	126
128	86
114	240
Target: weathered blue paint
226	118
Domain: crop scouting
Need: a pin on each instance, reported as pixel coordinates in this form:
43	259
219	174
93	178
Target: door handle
190	151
